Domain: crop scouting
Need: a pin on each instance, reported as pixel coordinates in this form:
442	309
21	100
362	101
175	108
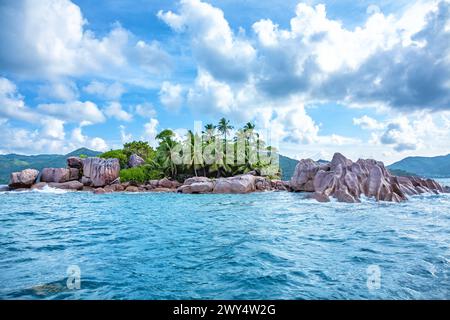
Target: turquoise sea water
273	245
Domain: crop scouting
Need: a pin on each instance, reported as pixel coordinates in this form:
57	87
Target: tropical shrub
140	174
118	154
141	148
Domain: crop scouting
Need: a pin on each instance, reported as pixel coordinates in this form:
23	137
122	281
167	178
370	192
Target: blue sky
366	78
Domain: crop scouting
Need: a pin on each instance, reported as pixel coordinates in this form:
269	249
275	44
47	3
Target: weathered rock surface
160	189
166	183
262	184
99	191
98	172
23	179
70	185
114	188
132	189
303	177
75	162
192	180
39	186
347	181
59	174
239	184
244	183
198	187
135	161
280	185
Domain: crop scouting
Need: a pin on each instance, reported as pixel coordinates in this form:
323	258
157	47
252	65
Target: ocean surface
273	245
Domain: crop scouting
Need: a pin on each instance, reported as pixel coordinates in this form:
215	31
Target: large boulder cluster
244	183
79	174
347	181
342	179
23	179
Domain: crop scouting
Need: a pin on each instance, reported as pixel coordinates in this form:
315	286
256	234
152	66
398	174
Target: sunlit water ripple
273	245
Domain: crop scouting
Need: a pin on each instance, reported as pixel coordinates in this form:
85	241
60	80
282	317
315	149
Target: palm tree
165	134
224	127
195	161
249	126
210	131
164	152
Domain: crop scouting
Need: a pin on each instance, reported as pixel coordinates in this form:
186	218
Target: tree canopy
211	153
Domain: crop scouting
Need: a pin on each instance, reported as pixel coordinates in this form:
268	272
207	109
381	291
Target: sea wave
45	189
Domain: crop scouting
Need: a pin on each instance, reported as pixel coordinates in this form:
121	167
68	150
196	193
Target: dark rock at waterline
99	191
262	184
132	189
114	188
23	179
280	185
347	181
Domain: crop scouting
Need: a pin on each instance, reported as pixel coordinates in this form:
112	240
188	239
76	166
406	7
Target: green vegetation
139	174
141	148
118	154
213	153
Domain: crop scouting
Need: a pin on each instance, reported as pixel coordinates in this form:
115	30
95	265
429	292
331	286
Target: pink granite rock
59	175
23	179
347	181
239	184
303	177
98	172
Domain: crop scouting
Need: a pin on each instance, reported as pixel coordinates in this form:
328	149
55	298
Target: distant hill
83	151
287	166
16	162
401	173
432	167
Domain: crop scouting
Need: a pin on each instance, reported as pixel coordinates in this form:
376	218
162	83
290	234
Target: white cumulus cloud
111	91
171	96
114	110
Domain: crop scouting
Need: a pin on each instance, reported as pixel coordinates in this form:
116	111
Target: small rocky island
347	181
342	179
